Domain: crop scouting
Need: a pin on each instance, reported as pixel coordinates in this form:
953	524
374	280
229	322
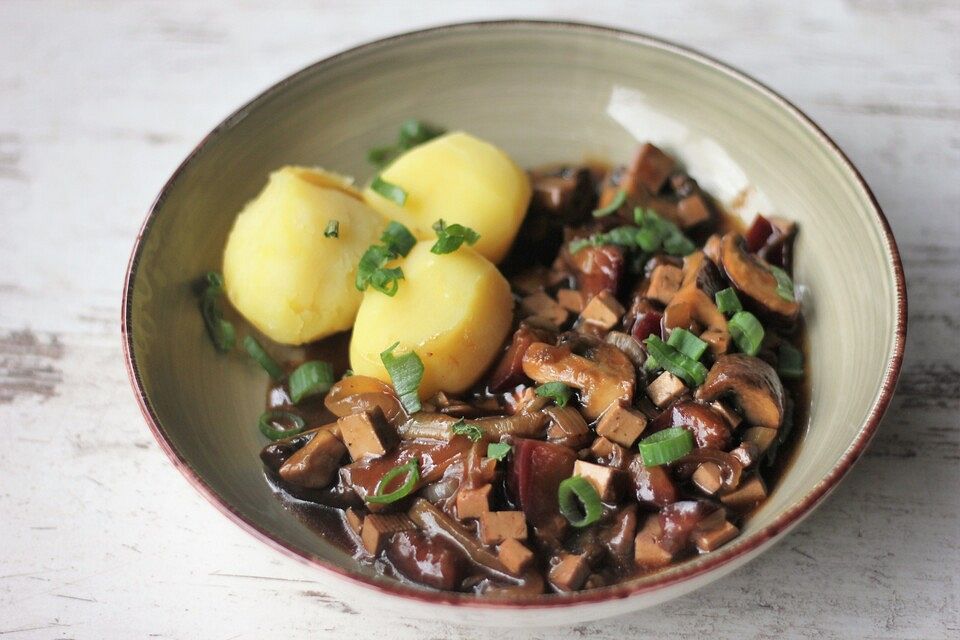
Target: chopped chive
746	331
450	237
389	191
784	284
373	272
406	372
412	133
269	420
577	496
398	239
687	343
332	230
263	358
649	239
677	244
580	243
309	379
556	391
665	446
679	364
727	301
411	473
613	206
789	361
498	450
222	332
471	431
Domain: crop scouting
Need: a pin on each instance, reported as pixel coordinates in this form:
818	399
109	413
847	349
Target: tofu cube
514	556
621	425
316	464
571	300
692	211
665	389
497	526
710	539
708	478
377	529
473	503
603	310
664	283
367	433
647	552
541	305
602	478
651	167
747	495
570	573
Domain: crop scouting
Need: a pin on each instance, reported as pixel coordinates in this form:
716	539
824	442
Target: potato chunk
461	179
281	273
454	310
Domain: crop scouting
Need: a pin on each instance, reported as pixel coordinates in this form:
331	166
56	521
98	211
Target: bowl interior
543	93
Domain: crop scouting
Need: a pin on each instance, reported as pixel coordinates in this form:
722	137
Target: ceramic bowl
544	92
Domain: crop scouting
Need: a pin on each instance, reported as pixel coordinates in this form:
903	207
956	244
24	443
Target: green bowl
543	91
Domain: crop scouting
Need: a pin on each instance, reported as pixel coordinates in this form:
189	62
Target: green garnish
450	237
556	391
579	502
221	331
784	284
687	343
746	331
412	133
650	235
310	378
332	230
727	301
263	358
789	361
406	372
665	446
389	191
269	420
398	239
411	473
498	450
613	206
373	272
679	364
471	431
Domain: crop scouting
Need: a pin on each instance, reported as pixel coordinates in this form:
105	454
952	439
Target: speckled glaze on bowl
544	92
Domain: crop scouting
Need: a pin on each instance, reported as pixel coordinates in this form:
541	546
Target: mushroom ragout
636	412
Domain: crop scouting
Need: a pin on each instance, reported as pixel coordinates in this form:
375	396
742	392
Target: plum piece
647	323
535	473
598	269
433	561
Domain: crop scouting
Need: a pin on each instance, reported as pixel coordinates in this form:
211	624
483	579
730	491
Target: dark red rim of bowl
683	572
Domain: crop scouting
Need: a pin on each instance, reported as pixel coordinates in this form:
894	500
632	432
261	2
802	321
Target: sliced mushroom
567	427
708	427
751	276
700	272
604	376
695	311
316	464
751	383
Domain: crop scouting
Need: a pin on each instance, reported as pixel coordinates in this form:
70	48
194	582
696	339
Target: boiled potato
281	273
461	179
454	310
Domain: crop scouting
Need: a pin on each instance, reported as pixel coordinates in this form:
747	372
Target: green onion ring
267	418
412	471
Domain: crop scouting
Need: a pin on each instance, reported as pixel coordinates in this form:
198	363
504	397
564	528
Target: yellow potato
454	310
461	179
281	273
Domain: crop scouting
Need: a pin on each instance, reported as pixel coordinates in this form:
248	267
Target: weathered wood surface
101	537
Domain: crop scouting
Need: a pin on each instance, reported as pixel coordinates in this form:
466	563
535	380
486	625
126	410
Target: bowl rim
788	518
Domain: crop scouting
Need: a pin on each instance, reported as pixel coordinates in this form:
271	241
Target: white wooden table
100	537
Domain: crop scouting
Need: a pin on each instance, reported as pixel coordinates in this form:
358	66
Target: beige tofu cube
621	425
603	310
473	503
514	556
378	527
665	389
367	433
602	478
316	464
647	551
692	211
541	305
708	478
602	448
664	283
710	539
747	495
497	526
571	300
570	573
651	167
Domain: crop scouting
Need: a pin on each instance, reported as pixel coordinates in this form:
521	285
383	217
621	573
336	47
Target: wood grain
100	100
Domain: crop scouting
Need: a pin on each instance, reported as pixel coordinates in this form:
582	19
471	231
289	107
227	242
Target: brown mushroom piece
693	307
603	374
751	276
751	383
708	427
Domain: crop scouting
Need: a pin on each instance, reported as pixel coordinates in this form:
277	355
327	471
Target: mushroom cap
751	276
754	385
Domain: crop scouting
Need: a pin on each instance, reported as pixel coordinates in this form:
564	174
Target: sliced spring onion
381	156
579	502
789	361
450	237
389	191
613	205
679	364
727	301
687	343
649	239
406	372
411	473
398	239
784	284
221	331
746	331
556	391
310	378
414	132
270	419
263	358
665	446
677	244
332	230
582	243
498	450
471	431
373	272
